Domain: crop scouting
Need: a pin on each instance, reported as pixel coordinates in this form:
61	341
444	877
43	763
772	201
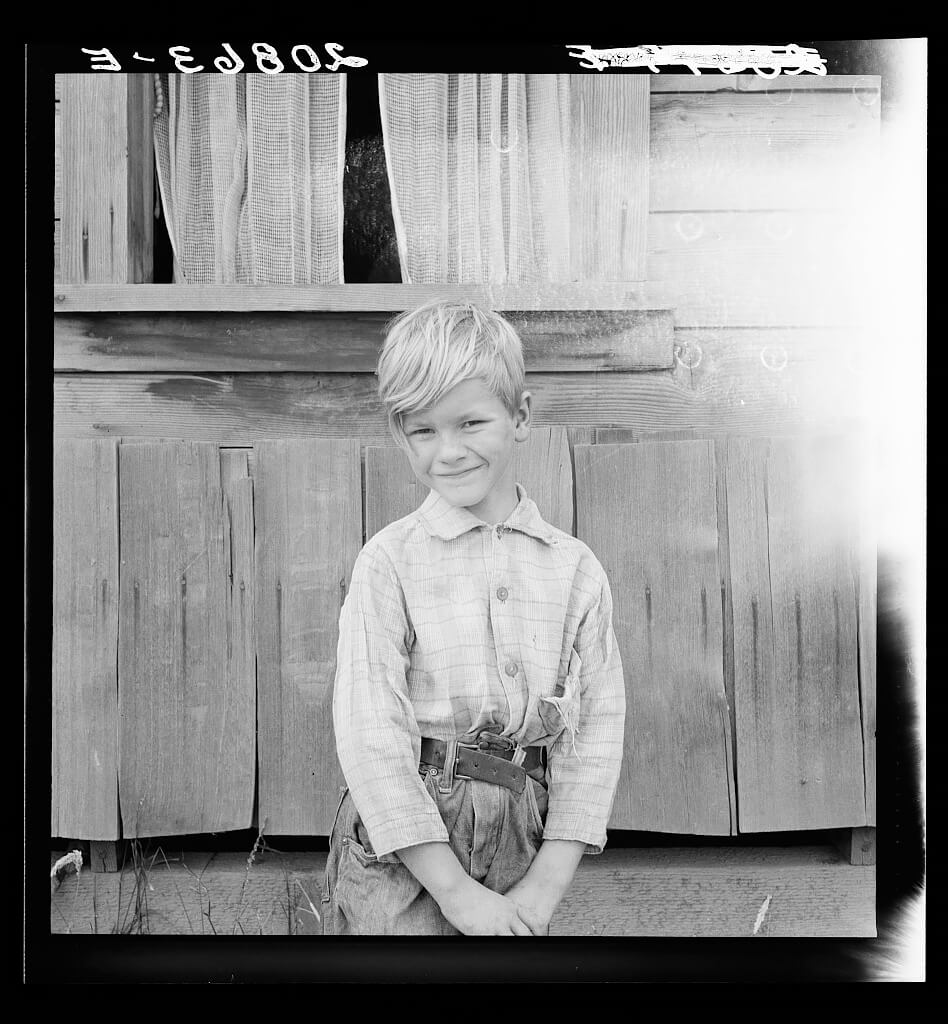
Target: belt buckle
457	756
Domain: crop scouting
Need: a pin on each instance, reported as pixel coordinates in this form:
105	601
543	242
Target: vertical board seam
118	626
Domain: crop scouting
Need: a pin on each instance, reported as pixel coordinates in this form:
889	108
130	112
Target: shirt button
503	593
511	668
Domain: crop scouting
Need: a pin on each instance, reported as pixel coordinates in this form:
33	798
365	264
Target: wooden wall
759	228
747	331
218	572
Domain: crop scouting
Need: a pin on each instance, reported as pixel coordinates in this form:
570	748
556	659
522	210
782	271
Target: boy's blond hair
431	349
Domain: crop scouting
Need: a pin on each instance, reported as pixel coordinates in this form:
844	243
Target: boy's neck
497	509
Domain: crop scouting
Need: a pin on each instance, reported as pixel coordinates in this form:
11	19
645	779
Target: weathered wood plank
543	468
340	342
237	488
85	640
620	436
649	512
727	622
141	179
107	178
57	161
708	891
791	518
186	693
609	174
760	150
867	682
867	598
236	410
816	374
309	531
347	298
764	268
391	488
95	186
579	435
864	84
625	435
237	484
711	891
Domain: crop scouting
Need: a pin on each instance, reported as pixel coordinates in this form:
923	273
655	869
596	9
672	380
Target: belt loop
519	755
446	781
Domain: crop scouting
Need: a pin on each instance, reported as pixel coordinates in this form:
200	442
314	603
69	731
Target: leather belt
488	760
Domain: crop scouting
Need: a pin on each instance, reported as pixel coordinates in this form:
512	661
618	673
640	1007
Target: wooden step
806	891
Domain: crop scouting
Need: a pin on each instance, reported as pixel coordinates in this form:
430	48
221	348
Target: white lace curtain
517	178
506	179
250	171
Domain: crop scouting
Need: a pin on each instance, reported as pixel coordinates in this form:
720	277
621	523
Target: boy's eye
473	423
419	431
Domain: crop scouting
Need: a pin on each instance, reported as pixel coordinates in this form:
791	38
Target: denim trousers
494	832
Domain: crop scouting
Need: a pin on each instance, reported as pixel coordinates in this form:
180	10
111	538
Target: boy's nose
451	450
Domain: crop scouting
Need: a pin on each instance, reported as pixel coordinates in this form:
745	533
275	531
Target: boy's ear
522	417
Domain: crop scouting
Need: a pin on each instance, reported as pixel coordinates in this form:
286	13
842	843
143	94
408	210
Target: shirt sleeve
585	760
377	738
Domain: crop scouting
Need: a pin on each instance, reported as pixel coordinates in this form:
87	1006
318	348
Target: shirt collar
442	519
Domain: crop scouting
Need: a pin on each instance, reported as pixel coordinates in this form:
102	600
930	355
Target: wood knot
774	357
778	226
690	226
688	354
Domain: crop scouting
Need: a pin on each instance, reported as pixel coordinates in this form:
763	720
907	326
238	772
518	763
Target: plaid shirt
450	626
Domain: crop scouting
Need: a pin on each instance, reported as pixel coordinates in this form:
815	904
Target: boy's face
462	447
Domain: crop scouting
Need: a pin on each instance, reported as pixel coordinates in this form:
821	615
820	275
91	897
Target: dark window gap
370	252
162	253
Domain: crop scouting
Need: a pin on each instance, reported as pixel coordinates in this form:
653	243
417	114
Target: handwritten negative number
267	59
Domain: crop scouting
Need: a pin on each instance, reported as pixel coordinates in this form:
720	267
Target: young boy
479	700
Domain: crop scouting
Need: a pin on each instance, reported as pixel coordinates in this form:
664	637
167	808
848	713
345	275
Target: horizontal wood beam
240	409
708	891
340	342
755	83
346	298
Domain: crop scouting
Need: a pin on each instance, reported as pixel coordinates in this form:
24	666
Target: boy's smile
462	447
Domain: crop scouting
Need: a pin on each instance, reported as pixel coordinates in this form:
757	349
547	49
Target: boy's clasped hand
477	910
